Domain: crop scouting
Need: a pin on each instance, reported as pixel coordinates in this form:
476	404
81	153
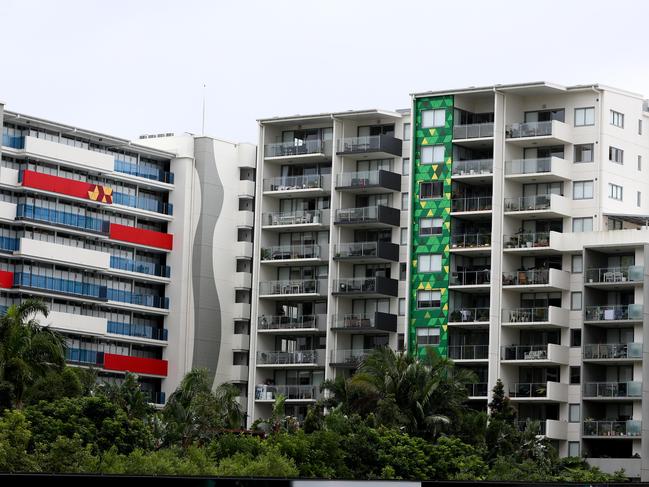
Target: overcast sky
132	67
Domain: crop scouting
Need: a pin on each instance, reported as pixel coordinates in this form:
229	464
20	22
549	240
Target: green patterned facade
435	208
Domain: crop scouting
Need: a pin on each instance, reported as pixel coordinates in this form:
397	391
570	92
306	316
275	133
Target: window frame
573	305
431	258
584	109
613	153
434	113
579	147
432	292
432	218
432	149
616	119
581	220
615	190
583	185
433	184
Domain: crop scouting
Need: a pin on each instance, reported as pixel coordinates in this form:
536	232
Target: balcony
299	359
60	286
13	142
370	146
141	203
361	286
539	243
305	219
612	390
475	317
631	428
474	243
533	318
478	390
82	356
478	169
611	278
50	216
292	254
548	354
306	288
468	353
306	185
348	358
473	131
304	151
543	205
367	252
478	205
614	313
552	429
292	393
368	217
128	297
539	392
551	132
537	279
612	352
368	182
140	267
291	325
539	170
471	279
364	323
142	171
149	332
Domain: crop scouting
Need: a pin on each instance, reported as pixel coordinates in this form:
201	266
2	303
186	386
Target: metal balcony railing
613	389
613	312
525	315
632	273
290	252
265	392
470	278
283	322
598	428
526	278
528	129
528	203
478	203
286	287
526	240
612	350
468	352
469	315
470	240
524	352
472	167
288	358
293	183
473	131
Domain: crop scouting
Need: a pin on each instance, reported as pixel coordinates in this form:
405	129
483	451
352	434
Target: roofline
329	115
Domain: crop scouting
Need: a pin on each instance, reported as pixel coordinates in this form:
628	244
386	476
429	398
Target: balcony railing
142	203
613	389
369	143
612	312
473	131
470	240
526	278
528	203
290	252
368	214
140	331
366	179
306	147
129	297
528	166
288	358
526	240
9	244
84	356
62	218
366	250
15	142
141	171
364	321
469	315
472	167
529	389
524	352
632	273
479	389
478	203
283	322
58	285
363	285
349	358
468	352
470	278
265	392
294	218
612	351
294	183
287	287
528	129
525	315
155	397
523	425
139	266
630	427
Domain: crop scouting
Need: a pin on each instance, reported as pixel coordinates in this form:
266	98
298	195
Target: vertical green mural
430	208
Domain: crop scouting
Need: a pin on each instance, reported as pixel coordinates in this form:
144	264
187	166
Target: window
582	190
404	201
615	155
428	299
428	336
639	127
432	154
615	191
575	337
406	131
575	301
582	224
431	190
433	118
430	226
575	375
584	153
584	116
404	236
638	199
429	263
401	342
573	449
639	163
405	169
402	271
617	119
402	306
577	264
573	413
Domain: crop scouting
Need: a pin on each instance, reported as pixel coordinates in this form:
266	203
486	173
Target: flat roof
372	112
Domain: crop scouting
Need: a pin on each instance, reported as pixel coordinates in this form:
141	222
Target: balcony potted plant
265	254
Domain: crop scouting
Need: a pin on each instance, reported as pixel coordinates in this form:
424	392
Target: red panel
70	187
6	279
137	365
141	236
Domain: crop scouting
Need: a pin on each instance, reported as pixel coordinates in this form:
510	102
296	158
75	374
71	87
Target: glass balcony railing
478	203
294	183
613	312
288	358
283	322
142	203
304	147
469	315
613	389
128	297
470	278
468	352
9	244
293	218
365	179
524	352
369	143
528	129
62	218
470	240
13	141
367	250
368	214
364	321
472	167
630	427
135	330
526	240
526	315
526	278
528	203
612	351
265	392
349	358
142	171
288	287
540	424
366	285
155	397
139	266
58	285
632	273
473	131
528	166
84	356
529	389
290	252
479	389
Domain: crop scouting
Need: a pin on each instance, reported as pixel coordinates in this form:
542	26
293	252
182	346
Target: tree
55	385
128	396
500	406
28	351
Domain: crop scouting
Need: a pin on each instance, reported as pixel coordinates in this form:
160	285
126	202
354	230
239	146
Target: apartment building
528	239
114	237
330	250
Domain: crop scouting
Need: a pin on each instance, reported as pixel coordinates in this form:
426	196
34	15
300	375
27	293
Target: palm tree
128	395
28	350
